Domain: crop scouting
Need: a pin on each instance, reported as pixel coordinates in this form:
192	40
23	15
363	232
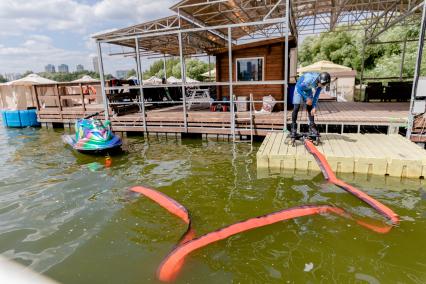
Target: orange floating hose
331	177
172	264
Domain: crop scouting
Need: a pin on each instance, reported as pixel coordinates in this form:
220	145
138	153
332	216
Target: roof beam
394	22
200	24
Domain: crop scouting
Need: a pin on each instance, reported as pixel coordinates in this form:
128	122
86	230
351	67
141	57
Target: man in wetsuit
304	92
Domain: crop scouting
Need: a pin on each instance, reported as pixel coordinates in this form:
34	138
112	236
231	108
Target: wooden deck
338	115
375	154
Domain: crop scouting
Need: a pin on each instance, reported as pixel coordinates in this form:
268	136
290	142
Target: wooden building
257	61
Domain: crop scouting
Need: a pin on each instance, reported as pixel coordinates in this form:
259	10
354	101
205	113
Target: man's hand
313	111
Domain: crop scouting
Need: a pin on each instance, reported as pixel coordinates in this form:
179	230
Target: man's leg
297	99
312	126
294	114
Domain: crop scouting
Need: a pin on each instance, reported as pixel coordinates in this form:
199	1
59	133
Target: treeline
381	60
194	68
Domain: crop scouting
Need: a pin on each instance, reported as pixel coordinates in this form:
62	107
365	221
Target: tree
131	73
26	73
194	68
2	79
380	60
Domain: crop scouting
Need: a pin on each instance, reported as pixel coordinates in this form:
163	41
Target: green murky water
66	215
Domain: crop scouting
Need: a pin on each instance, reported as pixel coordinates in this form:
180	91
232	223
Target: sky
35	33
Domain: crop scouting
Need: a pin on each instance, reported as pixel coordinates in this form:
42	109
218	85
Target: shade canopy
32	79
324	66
209	74
152	81
173	80
86	79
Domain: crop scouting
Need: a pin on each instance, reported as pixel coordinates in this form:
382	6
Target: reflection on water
71	216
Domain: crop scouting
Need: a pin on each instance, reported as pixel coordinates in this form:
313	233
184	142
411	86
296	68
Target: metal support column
101	75
140	81
286	79
165	67
362	66
417	71
231	91
210	71
401	67
183	76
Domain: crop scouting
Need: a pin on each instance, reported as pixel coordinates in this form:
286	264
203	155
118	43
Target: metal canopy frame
206	26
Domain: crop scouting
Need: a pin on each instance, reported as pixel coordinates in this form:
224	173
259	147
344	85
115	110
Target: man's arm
316	97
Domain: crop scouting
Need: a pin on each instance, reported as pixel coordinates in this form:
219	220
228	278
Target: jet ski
92	136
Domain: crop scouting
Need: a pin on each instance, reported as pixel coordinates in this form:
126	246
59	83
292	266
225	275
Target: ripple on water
66	214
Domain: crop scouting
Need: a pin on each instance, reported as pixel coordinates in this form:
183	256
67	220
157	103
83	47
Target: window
250	69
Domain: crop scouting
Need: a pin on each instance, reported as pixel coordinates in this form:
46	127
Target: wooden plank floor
376	154
171	119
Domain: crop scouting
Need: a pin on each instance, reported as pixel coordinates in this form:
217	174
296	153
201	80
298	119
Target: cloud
37	51
59	31
74	16
132	9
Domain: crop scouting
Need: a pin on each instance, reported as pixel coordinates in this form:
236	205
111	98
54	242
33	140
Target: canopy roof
265	19
86	79
324	66
209	74
32	79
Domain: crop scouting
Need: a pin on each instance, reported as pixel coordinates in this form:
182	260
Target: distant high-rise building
95	62
50	68
63	68
79	68
121	74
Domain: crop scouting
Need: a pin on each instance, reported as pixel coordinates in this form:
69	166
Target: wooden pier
376	154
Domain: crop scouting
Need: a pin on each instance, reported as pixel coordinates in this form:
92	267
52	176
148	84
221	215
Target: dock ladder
249	119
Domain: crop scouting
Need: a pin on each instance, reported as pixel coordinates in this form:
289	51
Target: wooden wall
273	53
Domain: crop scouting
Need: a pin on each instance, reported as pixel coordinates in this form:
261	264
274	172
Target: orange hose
172	264
331	177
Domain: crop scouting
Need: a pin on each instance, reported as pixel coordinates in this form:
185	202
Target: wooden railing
65	102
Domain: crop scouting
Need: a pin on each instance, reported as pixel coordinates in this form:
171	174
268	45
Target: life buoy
88	90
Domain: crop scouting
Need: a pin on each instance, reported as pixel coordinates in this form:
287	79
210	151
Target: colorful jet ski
91	135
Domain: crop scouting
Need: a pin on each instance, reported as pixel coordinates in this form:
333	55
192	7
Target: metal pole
210	71
164	66
183	76
417	71
231	90
101	75
286	79
402	58
140	79
362	66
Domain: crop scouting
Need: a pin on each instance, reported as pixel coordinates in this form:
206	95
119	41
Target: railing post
183	76
230	88
101	75
82	98
286	79
416	72
140	79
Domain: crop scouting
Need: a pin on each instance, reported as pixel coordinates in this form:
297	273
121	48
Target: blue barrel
20	118
29	118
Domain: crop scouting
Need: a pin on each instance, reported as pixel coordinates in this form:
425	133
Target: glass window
250	69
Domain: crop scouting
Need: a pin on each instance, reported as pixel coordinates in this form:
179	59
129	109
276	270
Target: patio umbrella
85	79
173	80
212	74
32	79
152	81
323	66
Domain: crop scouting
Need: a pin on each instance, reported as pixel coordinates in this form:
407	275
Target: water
66	215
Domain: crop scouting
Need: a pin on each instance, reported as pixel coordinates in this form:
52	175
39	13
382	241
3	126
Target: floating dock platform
376	154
